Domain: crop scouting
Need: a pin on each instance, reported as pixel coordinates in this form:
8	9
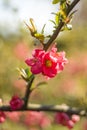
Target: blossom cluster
65	120
49	63
37	119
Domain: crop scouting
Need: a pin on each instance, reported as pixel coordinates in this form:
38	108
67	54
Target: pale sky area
39	10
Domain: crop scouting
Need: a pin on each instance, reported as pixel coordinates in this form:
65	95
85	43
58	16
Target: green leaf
67	27
22	73
41	83
55	1
39	36
27	72
42	31
60	16
53	22
57	18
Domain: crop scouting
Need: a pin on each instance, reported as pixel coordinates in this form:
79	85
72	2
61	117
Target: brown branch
48	108
72	6
28	91
61	24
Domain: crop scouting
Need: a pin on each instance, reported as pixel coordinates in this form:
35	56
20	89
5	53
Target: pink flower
53	62
48	63
2	117
65	120
36	61
75	118
61	118
21	50
70	124
13	116
16	103
45	122
37	119
33	118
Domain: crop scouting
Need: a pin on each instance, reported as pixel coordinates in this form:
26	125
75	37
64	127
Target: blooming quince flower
36	61
48	63
53	62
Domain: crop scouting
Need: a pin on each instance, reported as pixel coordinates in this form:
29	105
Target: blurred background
16	43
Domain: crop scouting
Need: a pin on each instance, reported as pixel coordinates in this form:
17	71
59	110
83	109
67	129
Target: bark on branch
49	108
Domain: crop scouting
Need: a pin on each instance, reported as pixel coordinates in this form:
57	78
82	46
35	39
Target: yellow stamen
48	63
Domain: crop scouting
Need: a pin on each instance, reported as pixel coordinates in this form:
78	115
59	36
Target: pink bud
16	103
75	118
61	118
2	117
70	124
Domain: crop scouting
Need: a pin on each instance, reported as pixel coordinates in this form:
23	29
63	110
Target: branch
28	90
61	24
72	6
49	108
46	46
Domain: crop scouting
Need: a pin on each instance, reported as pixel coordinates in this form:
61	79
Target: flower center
48	63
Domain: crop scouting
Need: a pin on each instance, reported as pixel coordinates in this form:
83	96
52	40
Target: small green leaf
39	36
22	73
42	31
67	27
57	18
53	22
41	83
27	72
55	1
73	13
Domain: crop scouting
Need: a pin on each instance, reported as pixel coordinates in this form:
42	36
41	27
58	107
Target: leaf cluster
61	15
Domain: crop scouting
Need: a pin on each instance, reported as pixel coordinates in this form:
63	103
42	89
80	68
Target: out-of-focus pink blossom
33	118
19	84
45	122
16	103
75	118
61	118
65	120
13	116
48	63
21	51
36	61
37	119
70	124
2	117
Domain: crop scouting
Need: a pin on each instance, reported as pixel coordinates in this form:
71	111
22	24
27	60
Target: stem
72	6
61	24
28	91
53	37
48	108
